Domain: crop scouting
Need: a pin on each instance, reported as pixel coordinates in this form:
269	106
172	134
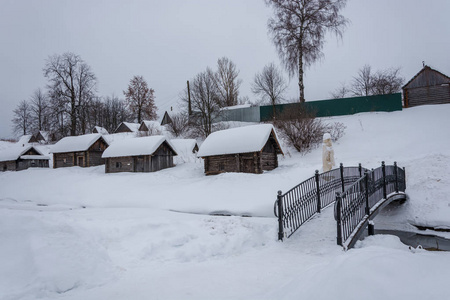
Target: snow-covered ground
82	234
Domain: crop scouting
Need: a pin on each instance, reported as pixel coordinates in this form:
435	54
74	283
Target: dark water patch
427	241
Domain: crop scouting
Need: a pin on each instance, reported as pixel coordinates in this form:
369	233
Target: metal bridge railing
356	204
308	198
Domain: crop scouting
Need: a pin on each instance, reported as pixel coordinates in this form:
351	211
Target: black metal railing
302	202
355	205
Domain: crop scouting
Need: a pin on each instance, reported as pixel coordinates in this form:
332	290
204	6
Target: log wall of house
243	162
439	94
63	160
8	166
23	164
269	158
119	164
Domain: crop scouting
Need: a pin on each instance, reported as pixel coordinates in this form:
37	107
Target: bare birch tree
39	111
22	118
298	31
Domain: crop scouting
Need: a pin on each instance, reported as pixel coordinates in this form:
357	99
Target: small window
221	166
118	165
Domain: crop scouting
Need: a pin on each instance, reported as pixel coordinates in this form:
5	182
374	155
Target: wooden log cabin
18	157
83	151
127	127
141	154
250	149
427	87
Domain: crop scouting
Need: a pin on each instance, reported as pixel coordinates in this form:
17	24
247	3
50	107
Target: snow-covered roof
151	124
24	139
114	137
100	130
184	145
237	140
236	107
136	146
45	135
76	143
134	127
16	151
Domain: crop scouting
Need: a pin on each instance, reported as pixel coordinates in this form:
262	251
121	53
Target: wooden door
140	164
247	165
80	161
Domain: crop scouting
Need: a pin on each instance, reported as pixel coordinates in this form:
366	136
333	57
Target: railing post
342	177
318	191
383	169
371	228
337	212
396	176
280	216
360	170
366	181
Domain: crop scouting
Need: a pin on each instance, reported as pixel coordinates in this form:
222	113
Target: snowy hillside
82	234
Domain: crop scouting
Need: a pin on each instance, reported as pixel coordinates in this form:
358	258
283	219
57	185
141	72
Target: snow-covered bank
82	234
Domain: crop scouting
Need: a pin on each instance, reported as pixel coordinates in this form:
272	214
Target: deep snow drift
82	234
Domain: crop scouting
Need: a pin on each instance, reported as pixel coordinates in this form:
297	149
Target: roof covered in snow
16	151
133	127
184	145
76	143
238	140
136	146
24	139
99	129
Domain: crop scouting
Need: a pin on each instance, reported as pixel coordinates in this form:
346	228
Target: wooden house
150	128
19	157
43	137
166	119
427	87
250	149
83	151
142	154
25	139
99	129
127	127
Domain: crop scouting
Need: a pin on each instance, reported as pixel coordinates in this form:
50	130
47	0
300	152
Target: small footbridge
358	194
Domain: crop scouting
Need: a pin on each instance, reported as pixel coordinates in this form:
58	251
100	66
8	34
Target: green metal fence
338	107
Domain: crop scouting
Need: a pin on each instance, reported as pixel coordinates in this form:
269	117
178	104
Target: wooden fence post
342	177
366	180
396	176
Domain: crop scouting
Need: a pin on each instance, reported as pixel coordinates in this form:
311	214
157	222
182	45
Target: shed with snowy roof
429	86
127	127
150	128
19	157
141	154
43	137
83	151
250	149
99	129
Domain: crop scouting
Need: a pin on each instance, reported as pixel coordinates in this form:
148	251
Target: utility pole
189	99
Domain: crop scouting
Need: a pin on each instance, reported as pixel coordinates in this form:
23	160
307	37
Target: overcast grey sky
169	42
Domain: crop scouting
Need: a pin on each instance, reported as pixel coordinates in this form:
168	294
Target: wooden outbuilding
166	119
427	87
150	128
250	149
17	158
83	151
43	137
142	154
99	129
127	127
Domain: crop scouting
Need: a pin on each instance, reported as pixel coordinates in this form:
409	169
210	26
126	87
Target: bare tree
115	112
269	85
179	124
341	92
387	81
73	82
140	99
362	83
22	118
204	101
298	31
227	82
39	111
382	82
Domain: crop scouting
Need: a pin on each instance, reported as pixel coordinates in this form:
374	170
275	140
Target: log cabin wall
119	164
8	166
63	160
427	87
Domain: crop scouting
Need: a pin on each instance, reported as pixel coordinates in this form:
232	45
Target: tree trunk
300	76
